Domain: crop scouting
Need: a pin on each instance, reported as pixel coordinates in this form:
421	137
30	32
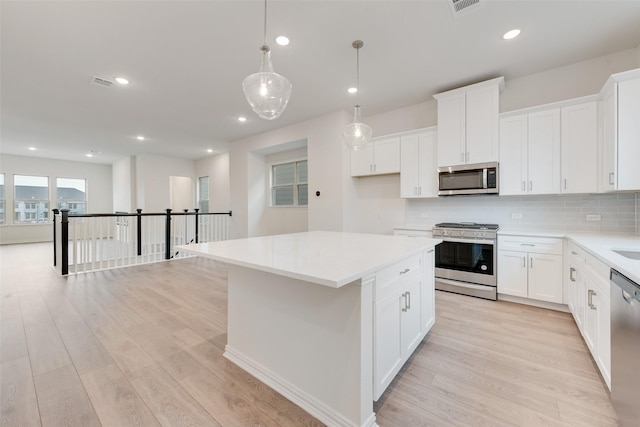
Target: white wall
124	186
152	180
328	159
99	184
217	169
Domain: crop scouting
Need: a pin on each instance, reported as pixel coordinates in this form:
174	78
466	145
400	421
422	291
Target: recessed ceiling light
242	119
89	155
209	150
511	34
352	90
282	40
140	138
32	148
122	80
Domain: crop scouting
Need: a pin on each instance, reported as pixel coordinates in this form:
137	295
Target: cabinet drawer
598	270
540	245
397	275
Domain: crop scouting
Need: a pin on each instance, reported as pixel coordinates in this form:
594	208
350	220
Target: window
2	221
203	194
289	184
31	199
71	194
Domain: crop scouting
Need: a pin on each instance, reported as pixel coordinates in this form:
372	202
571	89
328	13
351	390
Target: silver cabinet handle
527	244
524	262
375	167
462	157
409	297
590	299
530	185
370	168
430	251
530	262
524	186
404	296
611	175
406	270
565	183
419	191
571	271
574	253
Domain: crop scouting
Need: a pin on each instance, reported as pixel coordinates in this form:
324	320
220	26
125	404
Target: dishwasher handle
630	289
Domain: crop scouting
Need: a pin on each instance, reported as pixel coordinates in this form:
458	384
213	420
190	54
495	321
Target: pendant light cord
265	22
358	76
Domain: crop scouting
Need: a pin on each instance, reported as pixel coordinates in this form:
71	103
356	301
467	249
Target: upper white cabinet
579	142
380	156
418	171
468	128
619	146
530	153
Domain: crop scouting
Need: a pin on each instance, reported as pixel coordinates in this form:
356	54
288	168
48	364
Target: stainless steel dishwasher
625	348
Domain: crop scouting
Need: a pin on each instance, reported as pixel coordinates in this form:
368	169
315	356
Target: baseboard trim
301	398
534	303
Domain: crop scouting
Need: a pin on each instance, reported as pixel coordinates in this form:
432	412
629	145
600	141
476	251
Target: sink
628	253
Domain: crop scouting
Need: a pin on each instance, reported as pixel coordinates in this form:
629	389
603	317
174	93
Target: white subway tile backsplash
619	211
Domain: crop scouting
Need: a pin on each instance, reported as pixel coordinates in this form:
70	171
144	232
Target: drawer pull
527	244
409	298
404	296
571	272
406	270
590	299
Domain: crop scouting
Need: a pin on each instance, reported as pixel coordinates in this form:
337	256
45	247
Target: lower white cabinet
590	304
530	267
403	314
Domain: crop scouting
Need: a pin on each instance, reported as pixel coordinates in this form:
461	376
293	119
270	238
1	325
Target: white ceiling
186	61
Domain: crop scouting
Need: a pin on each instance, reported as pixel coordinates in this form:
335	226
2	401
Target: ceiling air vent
95	80
458	6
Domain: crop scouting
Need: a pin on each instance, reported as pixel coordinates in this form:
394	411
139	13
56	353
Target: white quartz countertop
324	257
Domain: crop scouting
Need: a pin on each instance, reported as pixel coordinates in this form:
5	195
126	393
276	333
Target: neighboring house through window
71	194
31	199
203	194
289	186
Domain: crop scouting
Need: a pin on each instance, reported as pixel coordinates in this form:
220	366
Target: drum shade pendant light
356	134
267	91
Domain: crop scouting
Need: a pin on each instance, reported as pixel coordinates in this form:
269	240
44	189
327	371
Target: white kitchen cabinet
403	314
381	156
418	170
579	143
619	150
530	153
530	267
468	128
590	304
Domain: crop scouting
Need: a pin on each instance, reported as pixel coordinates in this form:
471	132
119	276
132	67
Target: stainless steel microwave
479	178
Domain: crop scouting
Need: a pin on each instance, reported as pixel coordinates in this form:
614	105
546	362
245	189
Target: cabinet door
386	156
545	277
387	343
451	130
576	290
590	330
543	152
411	319
513	155
609	140
603	320
427	168
482	126
629	135
579	142
362	161
427	305
512	273
409	166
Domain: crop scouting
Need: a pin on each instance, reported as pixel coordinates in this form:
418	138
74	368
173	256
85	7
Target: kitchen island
326	318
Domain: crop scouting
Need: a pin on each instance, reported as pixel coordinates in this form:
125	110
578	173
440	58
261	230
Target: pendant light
267	91
356	134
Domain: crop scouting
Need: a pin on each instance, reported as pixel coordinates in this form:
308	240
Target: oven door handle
477	241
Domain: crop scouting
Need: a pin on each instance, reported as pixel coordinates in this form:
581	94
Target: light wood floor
143	346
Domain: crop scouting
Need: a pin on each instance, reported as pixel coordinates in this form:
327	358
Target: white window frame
70	201
47	220
295	184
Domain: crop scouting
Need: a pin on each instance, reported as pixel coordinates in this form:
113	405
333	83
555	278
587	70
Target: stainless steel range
466	259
